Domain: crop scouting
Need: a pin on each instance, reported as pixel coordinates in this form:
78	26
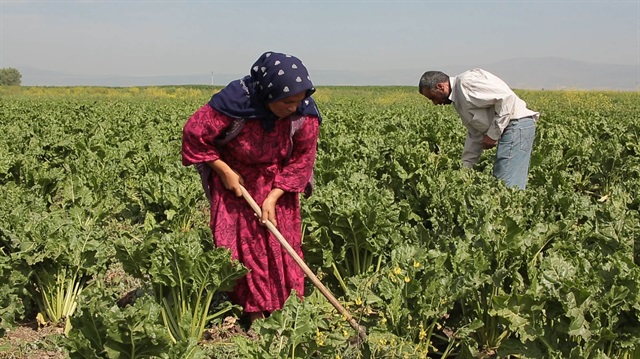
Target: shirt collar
452	86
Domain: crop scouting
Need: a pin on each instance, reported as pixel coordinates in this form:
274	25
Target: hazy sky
142	38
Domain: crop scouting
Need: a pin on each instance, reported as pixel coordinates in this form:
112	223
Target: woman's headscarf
274	76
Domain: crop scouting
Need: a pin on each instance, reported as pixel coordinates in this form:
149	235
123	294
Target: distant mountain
558	73
36	77
521	73
550	73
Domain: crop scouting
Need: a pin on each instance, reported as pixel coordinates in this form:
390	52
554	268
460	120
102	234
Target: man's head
435	86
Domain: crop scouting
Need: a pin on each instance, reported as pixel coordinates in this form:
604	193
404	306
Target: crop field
105	249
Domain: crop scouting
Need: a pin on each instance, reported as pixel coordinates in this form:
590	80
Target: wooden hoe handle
361	331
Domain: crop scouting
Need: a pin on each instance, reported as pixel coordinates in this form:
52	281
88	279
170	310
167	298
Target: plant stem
336	273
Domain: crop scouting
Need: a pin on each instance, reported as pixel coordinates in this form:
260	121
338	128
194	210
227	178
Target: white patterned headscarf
274	76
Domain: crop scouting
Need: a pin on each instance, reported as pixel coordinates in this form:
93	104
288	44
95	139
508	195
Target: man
493	115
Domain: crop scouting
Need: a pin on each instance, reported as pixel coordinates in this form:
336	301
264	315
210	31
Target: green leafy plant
183	278
104	330
354	227
302	329
547	272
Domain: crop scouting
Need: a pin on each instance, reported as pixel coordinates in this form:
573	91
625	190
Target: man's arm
497	98
504	108
472	148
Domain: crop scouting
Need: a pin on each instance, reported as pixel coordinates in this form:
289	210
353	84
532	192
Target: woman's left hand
269	207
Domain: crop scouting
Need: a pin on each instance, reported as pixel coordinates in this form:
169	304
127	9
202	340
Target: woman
272	156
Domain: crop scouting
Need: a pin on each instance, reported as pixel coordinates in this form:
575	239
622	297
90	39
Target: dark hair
430	79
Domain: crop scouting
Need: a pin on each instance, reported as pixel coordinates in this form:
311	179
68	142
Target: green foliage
10	77
13	297
355	223
104	330
494	242
53	272
302	329
183	278
433	259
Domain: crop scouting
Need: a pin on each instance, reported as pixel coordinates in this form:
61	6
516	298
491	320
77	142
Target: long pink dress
259	157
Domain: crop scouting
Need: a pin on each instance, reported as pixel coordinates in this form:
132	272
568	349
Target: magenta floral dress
265	160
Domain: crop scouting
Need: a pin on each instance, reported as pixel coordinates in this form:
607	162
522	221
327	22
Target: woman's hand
230	178
269	207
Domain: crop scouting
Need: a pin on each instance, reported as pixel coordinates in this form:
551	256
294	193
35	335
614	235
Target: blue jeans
514	152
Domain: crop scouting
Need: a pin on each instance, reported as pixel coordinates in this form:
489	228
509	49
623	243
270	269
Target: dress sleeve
199	133
297	172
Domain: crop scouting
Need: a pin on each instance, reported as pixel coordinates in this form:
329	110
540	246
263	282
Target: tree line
10	77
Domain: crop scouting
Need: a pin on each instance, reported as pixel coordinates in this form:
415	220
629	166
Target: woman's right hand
230	178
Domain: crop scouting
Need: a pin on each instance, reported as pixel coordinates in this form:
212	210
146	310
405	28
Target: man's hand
488	142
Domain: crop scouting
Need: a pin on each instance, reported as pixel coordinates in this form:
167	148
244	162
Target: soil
230	328
29	341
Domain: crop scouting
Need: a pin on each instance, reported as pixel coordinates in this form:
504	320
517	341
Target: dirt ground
32	341
27	341
230	328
